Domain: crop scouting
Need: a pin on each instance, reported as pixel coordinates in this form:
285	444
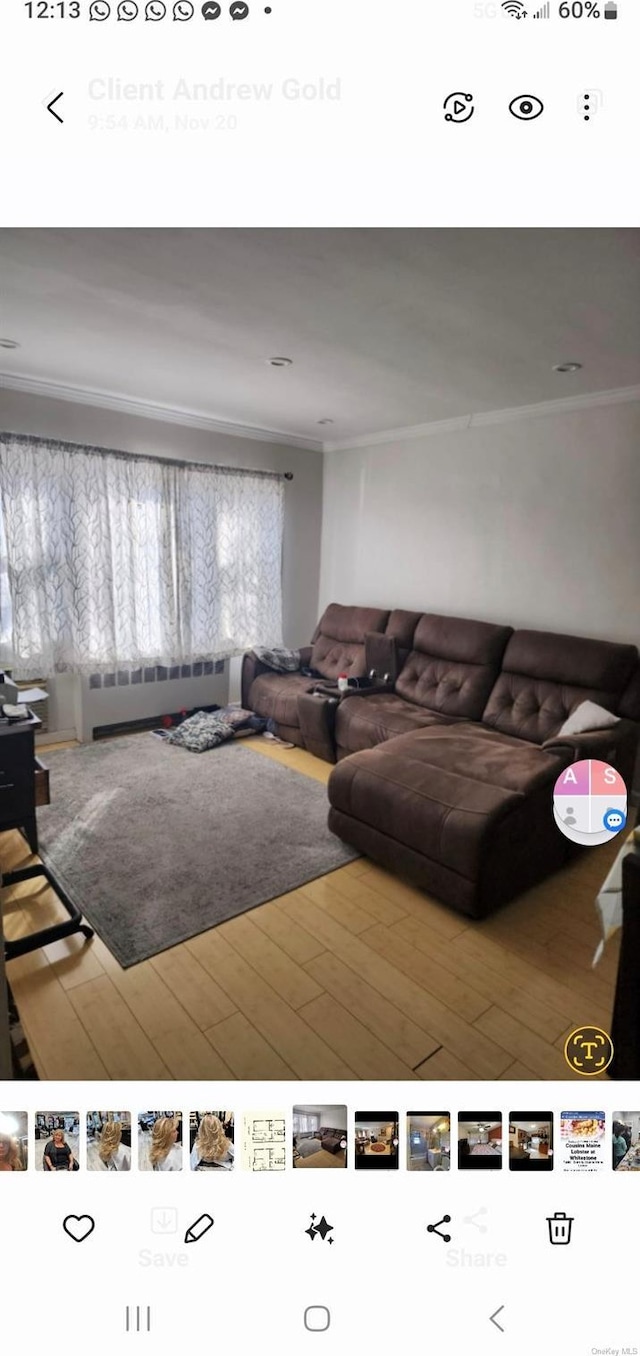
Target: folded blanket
279	658
205	730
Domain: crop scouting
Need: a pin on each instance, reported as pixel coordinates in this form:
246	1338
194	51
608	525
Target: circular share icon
590	802
588	1051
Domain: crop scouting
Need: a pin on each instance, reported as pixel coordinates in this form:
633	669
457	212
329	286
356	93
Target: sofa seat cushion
452	665
363	722
275	696
442	791
339	642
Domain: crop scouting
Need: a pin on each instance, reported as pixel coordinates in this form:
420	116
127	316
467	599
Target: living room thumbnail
329	511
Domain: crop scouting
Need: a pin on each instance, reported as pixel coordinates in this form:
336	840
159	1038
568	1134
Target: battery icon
611	10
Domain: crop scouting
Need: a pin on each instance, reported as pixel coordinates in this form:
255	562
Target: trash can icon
560	1227
611	10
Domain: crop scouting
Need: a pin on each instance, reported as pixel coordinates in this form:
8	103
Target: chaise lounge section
446	763
462	805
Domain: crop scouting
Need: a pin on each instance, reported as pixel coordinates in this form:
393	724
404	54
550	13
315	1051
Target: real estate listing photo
320	1136
479	1140
376	1140
319	670
428	1141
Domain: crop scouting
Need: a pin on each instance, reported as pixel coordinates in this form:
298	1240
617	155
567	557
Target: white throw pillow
587	716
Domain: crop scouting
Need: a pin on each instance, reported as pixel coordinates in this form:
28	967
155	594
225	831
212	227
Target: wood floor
356	975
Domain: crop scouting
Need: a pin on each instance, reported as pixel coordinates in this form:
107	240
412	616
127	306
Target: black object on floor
23	1066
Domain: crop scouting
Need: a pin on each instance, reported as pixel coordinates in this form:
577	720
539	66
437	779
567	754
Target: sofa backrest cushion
544	676
338	643
452	665
630	701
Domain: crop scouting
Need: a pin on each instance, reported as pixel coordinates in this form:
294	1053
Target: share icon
435	1228
473	1219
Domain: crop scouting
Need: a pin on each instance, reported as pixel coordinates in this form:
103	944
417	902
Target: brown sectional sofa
445	773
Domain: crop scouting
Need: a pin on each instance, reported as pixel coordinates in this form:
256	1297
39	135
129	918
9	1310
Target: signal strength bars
544	12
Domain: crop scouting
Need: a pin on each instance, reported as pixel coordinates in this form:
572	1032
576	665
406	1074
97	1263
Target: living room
419	426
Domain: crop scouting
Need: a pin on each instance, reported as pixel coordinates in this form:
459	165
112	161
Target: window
121	562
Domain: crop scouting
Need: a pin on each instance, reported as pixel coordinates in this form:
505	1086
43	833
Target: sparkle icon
322	1229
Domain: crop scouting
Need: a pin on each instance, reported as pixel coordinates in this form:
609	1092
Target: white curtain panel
117	562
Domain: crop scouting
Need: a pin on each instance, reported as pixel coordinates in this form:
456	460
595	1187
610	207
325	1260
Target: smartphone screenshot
319	675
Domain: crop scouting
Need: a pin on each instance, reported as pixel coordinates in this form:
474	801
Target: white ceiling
387	328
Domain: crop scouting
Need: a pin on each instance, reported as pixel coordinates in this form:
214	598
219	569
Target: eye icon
526	107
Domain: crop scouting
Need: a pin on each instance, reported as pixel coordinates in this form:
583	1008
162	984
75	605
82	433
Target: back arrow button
494	1317
51	109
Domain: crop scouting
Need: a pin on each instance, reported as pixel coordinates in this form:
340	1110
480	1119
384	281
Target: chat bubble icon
127	11
182	11
211	10
239	10
156	10
99	10
614	820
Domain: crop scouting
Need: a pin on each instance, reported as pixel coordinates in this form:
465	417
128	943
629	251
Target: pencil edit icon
198	1229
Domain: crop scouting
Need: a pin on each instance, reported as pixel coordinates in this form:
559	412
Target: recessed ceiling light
325	421
281	362
9	343
568	367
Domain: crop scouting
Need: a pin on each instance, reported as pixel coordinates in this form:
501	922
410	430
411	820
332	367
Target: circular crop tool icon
588	1051
590	802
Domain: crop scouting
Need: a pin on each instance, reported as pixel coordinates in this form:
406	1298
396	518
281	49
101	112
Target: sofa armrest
618	746
317	716
252	667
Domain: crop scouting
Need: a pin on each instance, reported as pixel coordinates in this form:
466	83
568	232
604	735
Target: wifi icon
515	8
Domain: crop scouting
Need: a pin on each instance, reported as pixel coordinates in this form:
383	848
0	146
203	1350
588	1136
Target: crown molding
148	409
625	395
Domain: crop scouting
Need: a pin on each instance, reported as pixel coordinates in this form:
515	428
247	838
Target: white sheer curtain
116	562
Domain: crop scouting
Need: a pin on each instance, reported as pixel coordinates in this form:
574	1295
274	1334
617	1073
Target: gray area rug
156	844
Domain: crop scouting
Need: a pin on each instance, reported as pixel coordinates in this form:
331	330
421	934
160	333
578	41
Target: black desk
24	784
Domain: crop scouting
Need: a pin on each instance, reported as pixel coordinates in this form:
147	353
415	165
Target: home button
317	1318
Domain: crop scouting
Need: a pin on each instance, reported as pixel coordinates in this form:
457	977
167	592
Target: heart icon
78	1227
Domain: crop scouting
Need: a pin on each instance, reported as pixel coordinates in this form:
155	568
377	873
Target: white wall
534	522
45	417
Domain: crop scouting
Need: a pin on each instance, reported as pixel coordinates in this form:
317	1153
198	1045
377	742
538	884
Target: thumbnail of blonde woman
9	1154
211	1148
165	1155
58	1156
112	1154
